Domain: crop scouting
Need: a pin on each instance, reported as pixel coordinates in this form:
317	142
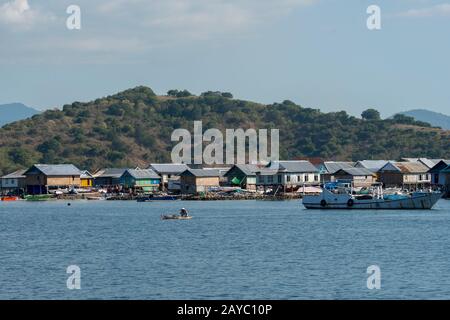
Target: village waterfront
230	250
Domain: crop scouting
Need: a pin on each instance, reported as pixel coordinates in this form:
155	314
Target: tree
371	114
179	94
52	145
403	119
115	110
172	93
211	94
184	94
19	156
227	95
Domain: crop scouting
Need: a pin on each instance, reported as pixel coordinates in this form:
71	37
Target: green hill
133	128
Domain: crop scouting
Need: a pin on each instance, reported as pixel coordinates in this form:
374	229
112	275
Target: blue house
140	179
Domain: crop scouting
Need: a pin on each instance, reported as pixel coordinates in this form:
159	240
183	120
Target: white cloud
18	13
442	10
128	30
201	18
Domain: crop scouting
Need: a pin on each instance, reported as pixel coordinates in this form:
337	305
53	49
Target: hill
134	127
14	112
434	118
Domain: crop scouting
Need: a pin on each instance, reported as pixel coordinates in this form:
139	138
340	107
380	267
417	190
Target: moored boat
95	198
158	198
9	198
344	197
43	197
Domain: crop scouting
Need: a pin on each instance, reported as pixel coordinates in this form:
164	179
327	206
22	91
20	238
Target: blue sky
317	53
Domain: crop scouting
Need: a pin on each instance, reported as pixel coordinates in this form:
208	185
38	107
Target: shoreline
211	197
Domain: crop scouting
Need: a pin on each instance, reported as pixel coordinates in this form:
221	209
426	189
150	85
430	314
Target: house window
270	179
279	179
316	177
306	177
288	178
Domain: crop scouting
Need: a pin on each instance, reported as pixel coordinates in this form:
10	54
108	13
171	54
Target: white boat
344	197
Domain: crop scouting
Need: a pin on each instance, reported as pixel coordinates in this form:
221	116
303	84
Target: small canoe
158	198
175	217
95	198
9	198
43	197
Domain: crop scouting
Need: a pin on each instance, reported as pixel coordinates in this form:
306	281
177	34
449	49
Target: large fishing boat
345	196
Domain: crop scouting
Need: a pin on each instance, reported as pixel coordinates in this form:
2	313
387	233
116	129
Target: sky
317	53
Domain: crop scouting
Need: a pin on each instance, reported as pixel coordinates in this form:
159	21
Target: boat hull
158	198
9	199
175	217
330	201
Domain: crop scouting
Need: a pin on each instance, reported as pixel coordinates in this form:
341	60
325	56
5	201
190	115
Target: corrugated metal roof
293	166
441	165
110	173
409	167
202	172
143	174
334	166
430	163
86	175
57	169
267	172
372	165
19	174
355	171
410	159
248	169
221	171
168	168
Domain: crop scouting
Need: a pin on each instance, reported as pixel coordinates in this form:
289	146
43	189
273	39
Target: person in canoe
184	212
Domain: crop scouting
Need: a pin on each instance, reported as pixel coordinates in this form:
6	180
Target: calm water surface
230	250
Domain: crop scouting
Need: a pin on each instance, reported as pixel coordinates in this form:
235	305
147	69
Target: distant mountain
14	112
434	118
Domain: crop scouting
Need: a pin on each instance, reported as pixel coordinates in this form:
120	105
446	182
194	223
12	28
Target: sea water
229	250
